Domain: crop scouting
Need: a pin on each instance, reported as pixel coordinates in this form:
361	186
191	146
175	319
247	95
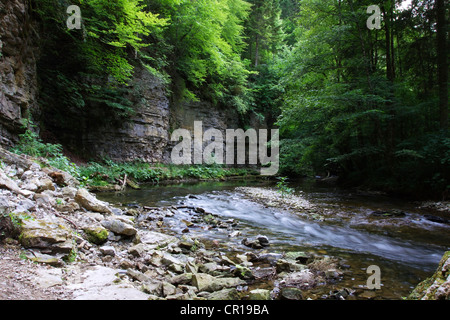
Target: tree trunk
256	50
442	63
387	28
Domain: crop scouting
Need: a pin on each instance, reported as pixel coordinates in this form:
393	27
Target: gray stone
156	239
206	282
45	259
44	199
8	183
90	202
101	283
108	250
138	250
25	205
137	275
69	192
300	257
184	278
153	288
168	289
291	294
224	294
44	184
303	279
48	278
46	234
119	227
68	207
259	294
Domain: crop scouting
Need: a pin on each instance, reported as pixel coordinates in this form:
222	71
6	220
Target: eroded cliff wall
18	79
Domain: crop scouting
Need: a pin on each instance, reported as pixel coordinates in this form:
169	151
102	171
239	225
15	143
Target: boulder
25	205
437	287
44	199
206	282
96	234
45	259
20	161
303	279
152	288
137	275
90	202
259	294
224	294
156	239
100	283
119	227
243	272
69	192
184	278
108	251
258	242
68	207
299	257
61	178
44	184
8	183
138	250
168	289
46	234
289	293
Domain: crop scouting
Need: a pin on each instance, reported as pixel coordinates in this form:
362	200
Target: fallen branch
67	219
124	183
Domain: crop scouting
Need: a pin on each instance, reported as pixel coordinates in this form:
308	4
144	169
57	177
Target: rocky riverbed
59	241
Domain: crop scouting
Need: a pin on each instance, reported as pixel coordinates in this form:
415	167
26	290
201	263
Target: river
407	247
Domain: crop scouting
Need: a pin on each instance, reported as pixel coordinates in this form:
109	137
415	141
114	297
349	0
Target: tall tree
442	61
264	29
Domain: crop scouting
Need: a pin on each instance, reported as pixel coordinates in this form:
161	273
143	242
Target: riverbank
436	287
58	241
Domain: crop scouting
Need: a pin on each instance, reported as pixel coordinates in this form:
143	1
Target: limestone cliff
18	78
145	135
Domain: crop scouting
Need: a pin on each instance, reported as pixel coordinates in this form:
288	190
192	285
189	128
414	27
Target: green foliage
283	187
206	39
31	144
11	223
109	172
84	74
354	103
111	27
264	31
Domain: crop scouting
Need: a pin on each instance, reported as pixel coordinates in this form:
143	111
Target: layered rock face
144	136
185	114
18	78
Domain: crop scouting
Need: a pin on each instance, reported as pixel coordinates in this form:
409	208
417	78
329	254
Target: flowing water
407	248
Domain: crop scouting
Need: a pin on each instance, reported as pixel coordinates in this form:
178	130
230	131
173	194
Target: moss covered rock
46	234
437	287
96	234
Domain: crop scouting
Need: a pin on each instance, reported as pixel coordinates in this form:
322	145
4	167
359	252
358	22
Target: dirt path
19	278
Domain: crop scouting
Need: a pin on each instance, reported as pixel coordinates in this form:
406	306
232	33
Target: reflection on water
405	255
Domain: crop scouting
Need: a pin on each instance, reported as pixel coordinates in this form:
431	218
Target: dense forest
369	105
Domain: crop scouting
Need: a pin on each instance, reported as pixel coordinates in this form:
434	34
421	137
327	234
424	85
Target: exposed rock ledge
437	287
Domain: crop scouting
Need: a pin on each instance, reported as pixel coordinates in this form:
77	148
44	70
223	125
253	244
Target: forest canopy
367	105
